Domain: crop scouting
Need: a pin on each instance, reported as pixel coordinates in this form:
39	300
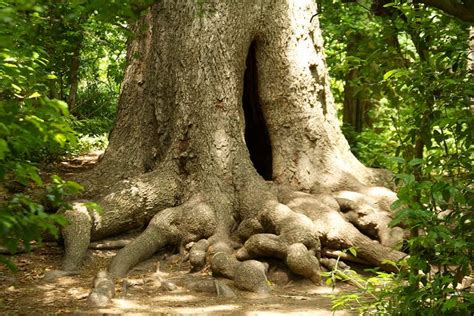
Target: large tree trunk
215	101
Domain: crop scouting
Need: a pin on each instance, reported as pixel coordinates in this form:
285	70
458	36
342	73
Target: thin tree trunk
470	63
74	76
355	106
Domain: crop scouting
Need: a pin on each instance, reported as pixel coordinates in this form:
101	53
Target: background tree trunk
74	76
470	62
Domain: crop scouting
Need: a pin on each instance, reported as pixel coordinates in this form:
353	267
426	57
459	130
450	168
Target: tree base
273	223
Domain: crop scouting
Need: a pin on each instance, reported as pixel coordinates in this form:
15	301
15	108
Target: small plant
22	219
372	294
88	143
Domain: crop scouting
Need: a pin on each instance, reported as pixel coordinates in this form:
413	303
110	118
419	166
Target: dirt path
25	292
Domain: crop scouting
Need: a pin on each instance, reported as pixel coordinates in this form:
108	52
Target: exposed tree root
270	223
77	236
336	232
103	289
370	213
181	224
128	204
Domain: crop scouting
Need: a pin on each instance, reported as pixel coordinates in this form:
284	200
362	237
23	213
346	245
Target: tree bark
202	85
463	10
74	76
355	106
470	63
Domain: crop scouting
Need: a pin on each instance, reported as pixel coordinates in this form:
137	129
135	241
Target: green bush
23	219
33	127
410	62
96	100
96	108
88	143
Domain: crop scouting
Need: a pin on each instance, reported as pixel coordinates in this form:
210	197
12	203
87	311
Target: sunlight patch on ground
176	298
207	309
123	305
78	293
323	290
128	304
308	312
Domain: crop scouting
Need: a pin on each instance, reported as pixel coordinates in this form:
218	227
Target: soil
162	285
25	292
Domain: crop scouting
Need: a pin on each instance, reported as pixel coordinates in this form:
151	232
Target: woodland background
402	78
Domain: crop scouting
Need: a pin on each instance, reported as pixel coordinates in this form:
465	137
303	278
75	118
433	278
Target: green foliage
38	40
23	219
438	209
95	110
402	293
373	295
409	65
89	143
410	62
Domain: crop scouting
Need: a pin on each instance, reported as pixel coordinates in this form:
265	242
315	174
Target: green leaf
36	178
398	160
91	206
449	304
390	73
60	139
415	162
3	149
17	88
34	95
10	265
389	262
61	106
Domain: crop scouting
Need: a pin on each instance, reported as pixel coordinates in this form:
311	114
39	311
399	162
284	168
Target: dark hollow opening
256	131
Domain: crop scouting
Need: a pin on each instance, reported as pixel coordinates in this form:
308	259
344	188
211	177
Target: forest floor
26	292
171	289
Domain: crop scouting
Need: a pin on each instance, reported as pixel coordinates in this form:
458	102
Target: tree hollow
257	136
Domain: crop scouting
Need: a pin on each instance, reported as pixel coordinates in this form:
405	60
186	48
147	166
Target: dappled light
290	157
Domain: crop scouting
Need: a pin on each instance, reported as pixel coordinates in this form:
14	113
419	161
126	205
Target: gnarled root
270	224
370	213
336	231
128	205
182	224
77	235
294	240
187	222
103	290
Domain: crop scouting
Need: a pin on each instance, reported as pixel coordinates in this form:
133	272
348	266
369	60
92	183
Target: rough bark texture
74	75
470	62
203	83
